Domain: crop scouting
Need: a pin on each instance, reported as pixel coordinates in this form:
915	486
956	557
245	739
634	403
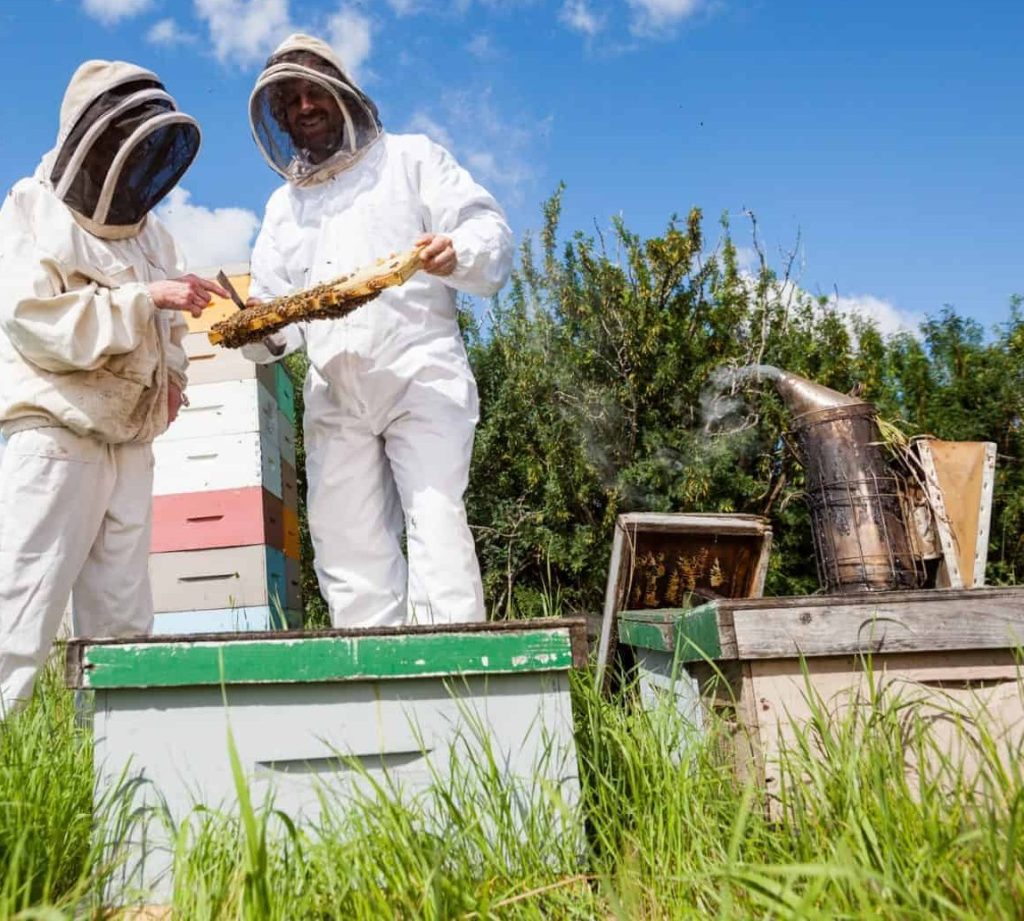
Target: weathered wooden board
963	623
218	462
692	634
958	690
217	518
830	625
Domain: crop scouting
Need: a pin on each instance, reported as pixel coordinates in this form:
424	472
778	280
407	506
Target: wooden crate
659	559
285	392
218	462
217	518
404	704
225	408
204	580
751	660
226	620
212	364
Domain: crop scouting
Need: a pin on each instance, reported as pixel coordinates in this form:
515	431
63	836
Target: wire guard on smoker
857	502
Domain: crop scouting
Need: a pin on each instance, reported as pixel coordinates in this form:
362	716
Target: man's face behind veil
312	117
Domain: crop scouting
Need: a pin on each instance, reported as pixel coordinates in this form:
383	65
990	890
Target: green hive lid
335	655
690	633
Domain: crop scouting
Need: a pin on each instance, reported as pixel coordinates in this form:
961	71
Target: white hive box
403	704
218	462
225	408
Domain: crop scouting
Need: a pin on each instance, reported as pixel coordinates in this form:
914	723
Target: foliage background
597	366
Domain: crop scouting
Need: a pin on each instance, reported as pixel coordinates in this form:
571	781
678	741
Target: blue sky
888	136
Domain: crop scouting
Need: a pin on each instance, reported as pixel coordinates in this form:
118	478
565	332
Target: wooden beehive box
325	714
755	662
667	560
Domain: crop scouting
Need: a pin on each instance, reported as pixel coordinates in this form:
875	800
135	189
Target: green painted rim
339	658
690	634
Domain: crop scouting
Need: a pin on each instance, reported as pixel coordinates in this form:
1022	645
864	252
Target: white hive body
320	718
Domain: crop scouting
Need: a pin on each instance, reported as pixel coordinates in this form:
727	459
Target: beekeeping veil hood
302	57
122	146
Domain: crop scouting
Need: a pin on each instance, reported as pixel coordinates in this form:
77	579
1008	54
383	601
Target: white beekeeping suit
390	400
88	364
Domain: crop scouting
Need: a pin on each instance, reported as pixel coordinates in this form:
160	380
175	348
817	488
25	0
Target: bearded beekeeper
91	364
390	400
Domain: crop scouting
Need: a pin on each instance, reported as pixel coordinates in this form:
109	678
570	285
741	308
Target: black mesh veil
125	152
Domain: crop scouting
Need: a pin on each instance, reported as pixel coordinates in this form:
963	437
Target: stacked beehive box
225	551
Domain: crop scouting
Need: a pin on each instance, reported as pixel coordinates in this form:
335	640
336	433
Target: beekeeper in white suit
390	400
91	364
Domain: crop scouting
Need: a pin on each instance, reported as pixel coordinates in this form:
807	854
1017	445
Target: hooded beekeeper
91	364
390	400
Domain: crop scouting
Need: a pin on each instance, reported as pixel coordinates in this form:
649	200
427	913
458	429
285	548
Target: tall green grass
56	852
664	828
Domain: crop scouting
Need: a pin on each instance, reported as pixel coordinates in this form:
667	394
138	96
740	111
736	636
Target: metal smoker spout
856	498
803	396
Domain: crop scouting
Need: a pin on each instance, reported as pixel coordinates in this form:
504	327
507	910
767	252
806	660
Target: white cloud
111	11
579	17
405	7
481	47
747	259
245	31
497	150
350	35
168	33
208	236
421	123
887	317
656	17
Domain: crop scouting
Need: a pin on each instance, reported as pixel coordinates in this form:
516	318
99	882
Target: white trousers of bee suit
367	459
75	519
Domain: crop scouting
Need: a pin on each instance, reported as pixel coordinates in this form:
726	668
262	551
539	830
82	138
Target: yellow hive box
220	308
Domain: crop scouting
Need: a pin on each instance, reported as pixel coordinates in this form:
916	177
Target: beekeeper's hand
189	293
437	254
174	401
